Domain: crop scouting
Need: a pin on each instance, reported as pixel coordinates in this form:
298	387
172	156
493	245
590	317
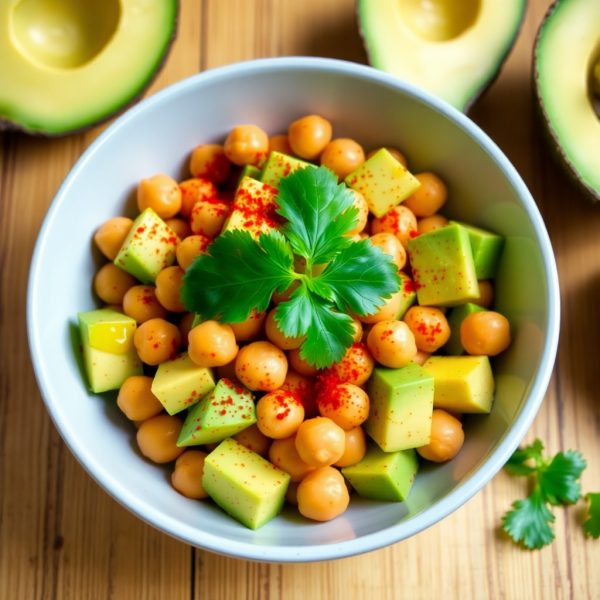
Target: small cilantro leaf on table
559	479
592	524
516	463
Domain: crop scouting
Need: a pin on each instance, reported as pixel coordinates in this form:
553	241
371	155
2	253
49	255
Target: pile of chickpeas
308	421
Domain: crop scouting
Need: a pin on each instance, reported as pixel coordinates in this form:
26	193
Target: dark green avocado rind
114	110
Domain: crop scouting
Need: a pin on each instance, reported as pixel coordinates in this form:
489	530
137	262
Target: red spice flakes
329	392
413	234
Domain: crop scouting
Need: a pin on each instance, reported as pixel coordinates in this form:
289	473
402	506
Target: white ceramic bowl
376	109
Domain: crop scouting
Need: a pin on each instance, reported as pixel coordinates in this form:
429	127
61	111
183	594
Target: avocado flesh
567	47
64	69
452	49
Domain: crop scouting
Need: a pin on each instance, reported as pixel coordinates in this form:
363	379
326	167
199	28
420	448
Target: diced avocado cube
401	407
443	268
463	384
149	247
280	165
383	475
103	330
253	208
486	248
221	413
249	171
454	346
383	181
180	382
244	484
408	296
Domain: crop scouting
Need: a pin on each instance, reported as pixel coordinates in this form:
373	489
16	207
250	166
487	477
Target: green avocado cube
244	484
249	171
408	296
149	247
486	248
383	181
463	384
280	165
221	413
180	383
454	346
109	356
383	475
401	407
443	268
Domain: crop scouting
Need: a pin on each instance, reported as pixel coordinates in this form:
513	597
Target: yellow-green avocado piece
65	65
567	82
244	484
452	48
280	165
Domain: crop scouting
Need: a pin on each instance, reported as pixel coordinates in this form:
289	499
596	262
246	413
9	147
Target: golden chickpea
191	247
400	221
179	227
355	448
394	152
168	285
345	404
185	326
309	136
157	438
212	344
187	476
261	366
388	312
283	455
322	495
209	162
280	143
363	213
300	365
136	399
358	330
277	337
305	388
431	224
429	197
320	442
156	341
429	326
140	303
392	344
391	245
356	365
342	156
161	193
110	236
421	357
485	333
208	217
291	494
247	330
194	190
247	145
486	294
111	283
254	439
279	414
447	438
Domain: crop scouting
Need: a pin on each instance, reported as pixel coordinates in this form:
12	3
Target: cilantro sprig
592	524
240	274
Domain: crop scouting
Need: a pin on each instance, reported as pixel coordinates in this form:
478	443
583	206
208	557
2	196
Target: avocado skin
8	125
550	136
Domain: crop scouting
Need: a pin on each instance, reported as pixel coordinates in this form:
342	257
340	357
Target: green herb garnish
240	273
592	524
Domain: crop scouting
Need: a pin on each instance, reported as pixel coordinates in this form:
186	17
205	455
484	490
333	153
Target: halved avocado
452	48
69	64
567	83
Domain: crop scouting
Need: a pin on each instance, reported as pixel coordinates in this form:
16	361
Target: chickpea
278	338
320	442
112	283
431	224
261	366
394	152
429	197
156	341
168	284
185	326
400	221
212	344
280	143
342	156
209	162
254	439
305	388
291	494
429	326
388	312
356	365
194	190
283	455
323	495
140	303
391	245
136	399
421	357
157	438
309	136
345	404
161	193
191	247
179	227
392	344
110	236
486	294
485	333
251	327
208	217
355	448
447	437
247	145
279	414
300	365
363	213
227	371
358	330
187	476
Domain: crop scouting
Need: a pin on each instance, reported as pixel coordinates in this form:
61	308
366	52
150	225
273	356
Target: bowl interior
157	137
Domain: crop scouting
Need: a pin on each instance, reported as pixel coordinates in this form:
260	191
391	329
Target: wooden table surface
62	537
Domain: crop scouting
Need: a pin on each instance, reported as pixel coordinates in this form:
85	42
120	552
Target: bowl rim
373	541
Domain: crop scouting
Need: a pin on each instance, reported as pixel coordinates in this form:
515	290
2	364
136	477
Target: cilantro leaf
558	480
238	275
359	278
515	464
529	521
592	524
312	202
